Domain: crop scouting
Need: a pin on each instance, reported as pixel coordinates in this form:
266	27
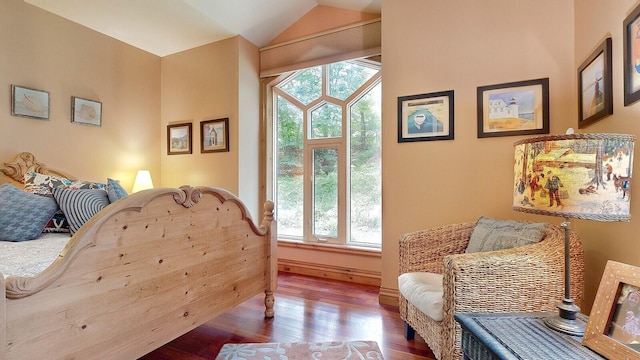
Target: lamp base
566	321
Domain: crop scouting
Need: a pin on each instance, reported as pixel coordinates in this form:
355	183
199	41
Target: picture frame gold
605	332
179	140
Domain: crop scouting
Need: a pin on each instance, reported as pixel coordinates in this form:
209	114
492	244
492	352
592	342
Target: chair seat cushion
424	291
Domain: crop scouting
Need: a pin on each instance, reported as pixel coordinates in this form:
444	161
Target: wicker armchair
524	279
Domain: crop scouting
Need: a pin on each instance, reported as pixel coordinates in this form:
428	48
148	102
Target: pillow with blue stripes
79	206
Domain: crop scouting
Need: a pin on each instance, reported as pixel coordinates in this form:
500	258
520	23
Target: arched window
326	169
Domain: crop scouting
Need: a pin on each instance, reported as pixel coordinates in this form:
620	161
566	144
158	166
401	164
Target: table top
524	335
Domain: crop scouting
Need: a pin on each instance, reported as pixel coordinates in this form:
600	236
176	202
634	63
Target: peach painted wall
213	81
319	19
595	21
430	46
43	51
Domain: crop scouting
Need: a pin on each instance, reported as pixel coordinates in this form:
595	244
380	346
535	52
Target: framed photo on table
612	330
425	117
631	54
595	86
179	139
516	108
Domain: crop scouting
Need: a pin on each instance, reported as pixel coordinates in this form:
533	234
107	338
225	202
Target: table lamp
580	176
143	181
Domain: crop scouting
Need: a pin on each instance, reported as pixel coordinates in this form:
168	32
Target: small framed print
179	139
425	117
613	329
516	108
30	103
631	54
86	112
214	135
595	96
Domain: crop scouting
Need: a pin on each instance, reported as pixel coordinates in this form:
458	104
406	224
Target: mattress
28	258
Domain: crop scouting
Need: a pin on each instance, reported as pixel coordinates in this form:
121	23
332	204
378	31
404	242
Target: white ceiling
164	27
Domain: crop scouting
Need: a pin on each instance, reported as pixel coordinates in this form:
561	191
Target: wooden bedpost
272	277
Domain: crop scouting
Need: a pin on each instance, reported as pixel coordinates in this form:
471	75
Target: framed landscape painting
516	108
179	139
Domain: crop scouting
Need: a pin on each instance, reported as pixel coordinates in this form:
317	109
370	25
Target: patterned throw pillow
115	190
57	224
23	215
80	205
43	184
491	234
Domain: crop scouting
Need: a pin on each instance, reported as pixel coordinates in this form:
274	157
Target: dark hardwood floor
307	309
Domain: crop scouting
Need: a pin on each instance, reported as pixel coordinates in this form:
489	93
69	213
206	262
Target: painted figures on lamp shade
573	176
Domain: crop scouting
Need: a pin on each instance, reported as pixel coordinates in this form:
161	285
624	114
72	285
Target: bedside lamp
580	176
143	181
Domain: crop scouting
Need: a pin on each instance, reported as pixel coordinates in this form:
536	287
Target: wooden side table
518	336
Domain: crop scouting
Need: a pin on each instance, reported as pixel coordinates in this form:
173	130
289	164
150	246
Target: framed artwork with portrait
613	329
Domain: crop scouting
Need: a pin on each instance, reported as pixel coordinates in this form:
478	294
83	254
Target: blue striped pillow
80	205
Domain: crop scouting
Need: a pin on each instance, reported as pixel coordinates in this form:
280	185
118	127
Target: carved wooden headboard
14	170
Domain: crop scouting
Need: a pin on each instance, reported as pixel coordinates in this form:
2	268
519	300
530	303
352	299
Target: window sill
344	249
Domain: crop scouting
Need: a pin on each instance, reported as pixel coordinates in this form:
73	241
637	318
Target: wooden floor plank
307	309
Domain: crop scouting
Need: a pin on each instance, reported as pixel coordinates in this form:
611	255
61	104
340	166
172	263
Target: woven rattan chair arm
529	278
424	250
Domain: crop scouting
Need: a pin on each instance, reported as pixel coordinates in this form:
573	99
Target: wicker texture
525	279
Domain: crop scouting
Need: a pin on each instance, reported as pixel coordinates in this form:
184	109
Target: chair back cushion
491	234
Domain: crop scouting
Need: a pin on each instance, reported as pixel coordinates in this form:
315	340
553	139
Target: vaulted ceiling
164	27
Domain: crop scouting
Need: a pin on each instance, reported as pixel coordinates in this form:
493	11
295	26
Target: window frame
310	144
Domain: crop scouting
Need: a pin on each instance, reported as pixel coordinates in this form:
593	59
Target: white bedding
28	258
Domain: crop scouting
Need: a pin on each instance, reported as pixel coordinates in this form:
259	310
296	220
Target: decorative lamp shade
582	176
143	181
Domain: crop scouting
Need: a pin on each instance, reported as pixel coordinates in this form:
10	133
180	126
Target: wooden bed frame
145	270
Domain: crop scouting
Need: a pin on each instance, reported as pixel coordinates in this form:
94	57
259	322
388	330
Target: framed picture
595	86
86	112
179	139
214	135
631	54
30	103
425	117
614	320
516	108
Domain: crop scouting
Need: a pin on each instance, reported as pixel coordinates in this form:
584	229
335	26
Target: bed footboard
145	270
